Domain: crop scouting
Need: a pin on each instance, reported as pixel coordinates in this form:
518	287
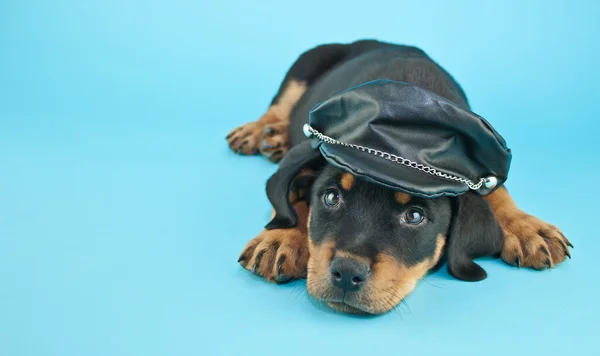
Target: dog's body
363	247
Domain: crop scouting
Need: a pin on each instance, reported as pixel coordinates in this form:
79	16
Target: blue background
122	211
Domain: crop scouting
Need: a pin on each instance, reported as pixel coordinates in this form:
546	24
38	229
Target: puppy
363	247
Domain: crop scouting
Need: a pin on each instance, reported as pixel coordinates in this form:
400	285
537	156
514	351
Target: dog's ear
474	233
286	180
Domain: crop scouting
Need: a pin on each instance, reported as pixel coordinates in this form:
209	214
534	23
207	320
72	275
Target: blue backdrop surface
122	211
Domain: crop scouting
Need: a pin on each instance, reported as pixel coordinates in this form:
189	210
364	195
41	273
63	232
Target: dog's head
369	245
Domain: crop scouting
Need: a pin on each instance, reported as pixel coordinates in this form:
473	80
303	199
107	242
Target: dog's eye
414	216
331	197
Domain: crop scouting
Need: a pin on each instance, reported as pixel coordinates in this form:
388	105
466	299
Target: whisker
403	301
431	284
297	290
393	296
405	282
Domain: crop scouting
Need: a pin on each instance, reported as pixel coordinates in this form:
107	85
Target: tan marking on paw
269	134
528	240
274	144
279	255
289	98
246	139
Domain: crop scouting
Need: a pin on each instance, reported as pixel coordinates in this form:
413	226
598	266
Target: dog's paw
277	255
246	138
531	242
274	144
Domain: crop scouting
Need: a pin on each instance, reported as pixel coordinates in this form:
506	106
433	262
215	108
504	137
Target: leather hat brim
393	175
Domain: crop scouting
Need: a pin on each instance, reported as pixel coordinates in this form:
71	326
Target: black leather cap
409	127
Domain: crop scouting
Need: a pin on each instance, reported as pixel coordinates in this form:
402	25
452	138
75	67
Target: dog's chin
355	305
345	308
351	303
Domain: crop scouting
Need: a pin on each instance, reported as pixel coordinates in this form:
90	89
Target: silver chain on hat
489	182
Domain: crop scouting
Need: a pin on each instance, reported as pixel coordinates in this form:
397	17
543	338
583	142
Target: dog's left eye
414	216
332	197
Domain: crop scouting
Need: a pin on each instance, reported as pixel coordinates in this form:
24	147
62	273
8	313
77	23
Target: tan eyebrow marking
347	181
402	198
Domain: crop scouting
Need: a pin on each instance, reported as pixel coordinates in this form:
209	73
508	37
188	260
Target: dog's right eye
331	197
414	216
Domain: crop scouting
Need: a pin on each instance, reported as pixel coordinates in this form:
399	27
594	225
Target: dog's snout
348	274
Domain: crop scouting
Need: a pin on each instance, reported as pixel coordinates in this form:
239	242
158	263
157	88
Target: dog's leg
528	240
269	134
280	255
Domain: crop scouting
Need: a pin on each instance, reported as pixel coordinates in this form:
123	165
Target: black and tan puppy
363	247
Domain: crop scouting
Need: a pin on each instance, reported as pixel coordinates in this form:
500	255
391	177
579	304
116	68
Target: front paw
275	141
277	255
248	139
245	139
531	242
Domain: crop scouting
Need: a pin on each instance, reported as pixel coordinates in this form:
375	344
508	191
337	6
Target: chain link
398	159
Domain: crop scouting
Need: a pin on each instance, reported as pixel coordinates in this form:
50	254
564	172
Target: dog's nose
348	274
